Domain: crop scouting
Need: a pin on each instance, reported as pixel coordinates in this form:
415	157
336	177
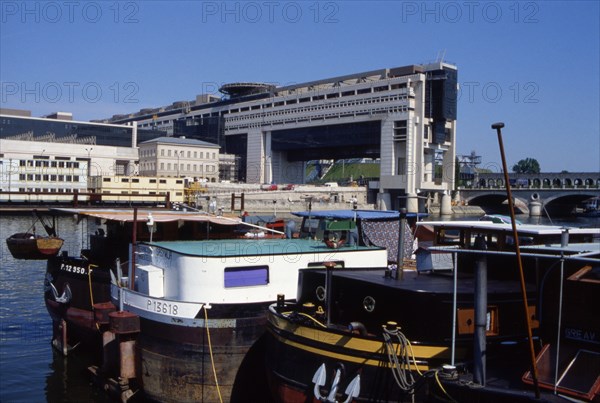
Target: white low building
57	167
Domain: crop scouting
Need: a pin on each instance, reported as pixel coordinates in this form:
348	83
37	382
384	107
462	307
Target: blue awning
360	214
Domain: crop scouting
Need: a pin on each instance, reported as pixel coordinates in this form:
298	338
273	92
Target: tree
527	166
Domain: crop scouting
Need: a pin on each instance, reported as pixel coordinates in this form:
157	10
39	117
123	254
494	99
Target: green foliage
527	166
342	172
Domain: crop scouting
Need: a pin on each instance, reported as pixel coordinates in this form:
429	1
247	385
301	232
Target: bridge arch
560	205
496	202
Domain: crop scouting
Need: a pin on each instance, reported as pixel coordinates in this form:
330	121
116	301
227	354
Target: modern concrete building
406	116
179	157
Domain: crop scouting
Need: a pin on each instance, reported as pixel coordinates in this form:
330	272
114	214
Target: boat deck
436	283
254	247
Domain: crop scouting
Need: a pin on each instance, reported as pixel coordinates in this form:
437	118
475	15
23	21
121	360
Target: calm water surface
30	370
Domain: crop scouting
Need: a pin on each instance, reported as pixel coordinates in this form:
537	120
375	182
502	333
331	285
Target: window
124	179
105	179
135	180
201	154
246	276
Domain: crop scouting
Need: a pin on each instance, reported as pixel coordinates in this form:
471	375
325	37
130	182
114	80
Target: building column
388	163
446	204
255	157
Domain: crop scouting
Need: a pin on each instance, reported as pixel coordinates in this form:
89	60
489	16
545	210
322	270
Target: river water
30	370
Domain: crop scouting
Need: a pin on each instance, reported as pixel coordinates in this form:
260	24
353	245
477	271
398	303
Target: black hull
177	364
70	293
354	341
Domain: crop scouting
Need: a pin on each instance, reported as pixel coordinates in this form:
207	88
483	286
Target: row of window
137	180
45	163
49	178
181	154
49	190
323	116
151	166
332	95
313	108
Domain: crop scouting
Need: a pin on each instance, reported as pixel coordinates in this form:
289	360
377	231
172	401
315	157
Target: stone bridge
557	193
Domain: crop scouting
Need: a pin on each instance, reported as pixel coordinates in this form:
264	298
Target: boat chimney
401	240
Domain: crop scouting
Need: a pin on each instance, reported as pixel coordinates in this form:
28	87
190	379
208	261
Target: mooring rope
212	359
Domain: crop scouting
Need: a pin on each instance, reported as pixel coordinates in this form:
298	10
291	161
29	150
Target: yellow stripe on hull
353	344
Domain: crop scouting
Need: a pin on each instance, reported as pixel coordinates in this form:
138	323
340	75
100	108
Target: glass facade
79	132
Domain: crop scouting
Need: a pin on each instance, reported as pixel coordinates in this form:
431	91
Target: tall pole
498	127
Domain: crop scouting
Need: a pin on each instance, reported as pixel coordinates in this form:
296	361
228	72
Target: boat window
246	276
448	237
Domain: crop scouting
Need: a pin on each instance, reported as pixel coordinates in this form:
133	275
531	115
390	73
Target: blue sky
533	64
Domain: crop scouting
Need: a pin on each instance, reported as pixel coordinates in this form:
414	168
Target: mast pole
498	127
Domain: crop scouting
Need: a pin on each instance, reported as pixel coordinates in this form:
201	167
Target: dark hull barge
452	330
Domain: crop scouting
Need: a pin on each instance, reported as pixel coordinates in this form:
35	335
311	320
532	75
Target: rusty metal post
63	337
126	326
101	314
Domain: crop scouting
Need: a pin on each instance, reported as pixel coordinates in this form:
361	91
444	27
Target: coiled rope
399	358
